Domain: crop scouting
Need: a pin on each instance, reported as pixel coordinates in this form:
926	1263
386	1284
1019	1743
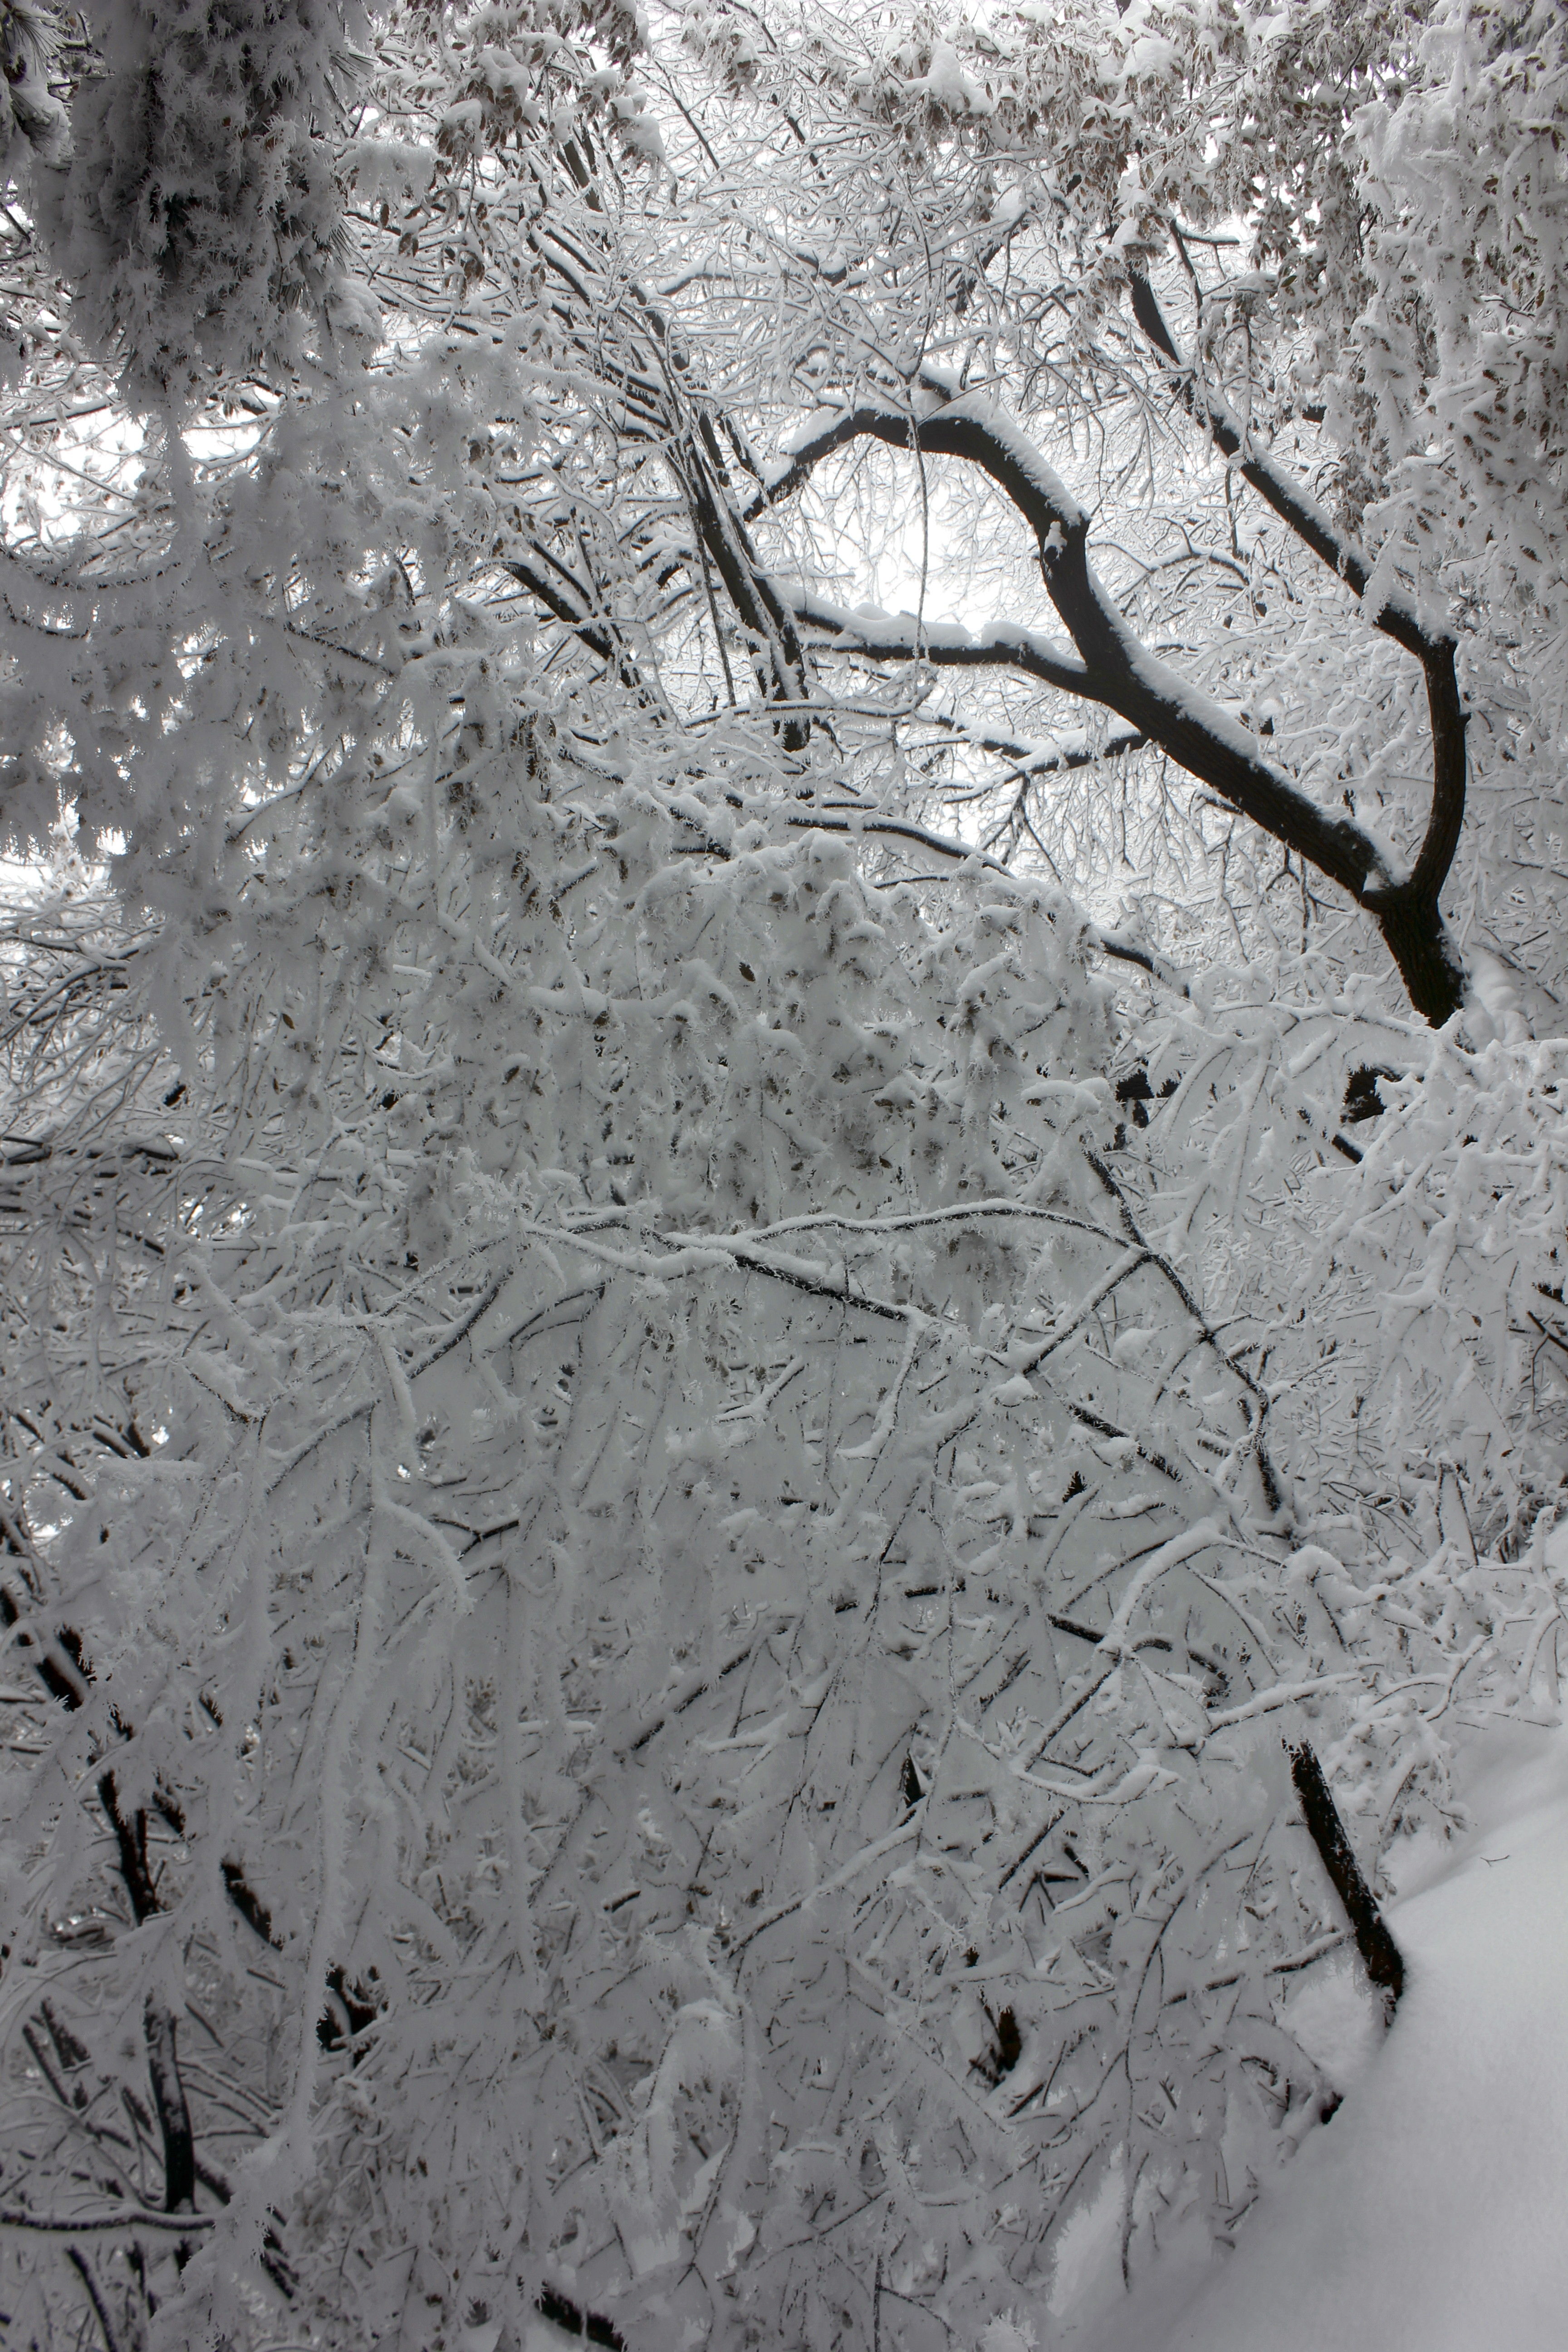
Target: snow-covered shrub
695	1623
656	1577
199	214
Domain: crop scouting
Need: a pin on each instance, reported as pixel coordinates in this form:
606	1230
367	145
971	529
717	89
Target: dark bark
56	1660
1152	698
1018	649
665	405
1118	672
728	546
1419	942
1406	913
158	2026
350	2008
569	608
1381	1956
566	2313
59	1661
130	1837
61	1666
89	2277
247	1903
1289	502
173	2114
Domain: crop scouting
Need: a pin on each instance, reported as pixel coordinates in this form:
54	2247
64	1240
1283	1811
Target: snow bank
1432	2214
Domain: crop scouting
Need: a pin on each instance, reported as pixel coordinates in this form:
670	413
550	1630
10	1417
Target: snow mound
1429	2216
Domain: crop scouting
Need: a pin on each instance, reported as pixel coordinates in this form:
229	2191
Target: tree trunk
1418	939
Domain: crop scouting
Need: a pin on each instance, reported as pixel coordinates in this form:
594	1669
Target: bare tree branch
1381	1956
1406	909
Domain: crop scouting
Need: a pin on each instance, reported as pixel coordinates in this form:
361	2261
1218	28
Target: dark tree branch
122	2225
1406	911
60	1665
1106	661
247	1903
664	405
757	602
591	630
1114	668
159	2033
173	2113
1381	1956
79	2263
1397	618
884	636
130	1837
1110	667
1124	951
939	426
564	2312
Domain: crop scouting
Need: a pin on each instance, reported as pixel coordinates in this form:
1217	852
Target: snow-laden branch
102	2225
878	636
1396	614
1406	905
1108	663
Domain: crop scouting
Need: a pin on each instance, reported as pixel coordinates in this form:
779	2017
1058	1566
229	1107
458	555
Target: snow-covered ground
1431	2215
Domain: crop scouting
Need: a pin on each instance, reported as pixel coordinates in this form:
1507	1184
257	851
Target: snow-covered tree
658	1549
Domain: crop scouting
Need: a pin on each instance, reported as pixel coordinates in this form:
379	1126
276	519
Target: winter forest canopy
783	1201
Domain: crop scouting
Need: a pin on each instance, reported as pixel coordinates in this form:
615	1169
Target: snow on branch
1107	663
